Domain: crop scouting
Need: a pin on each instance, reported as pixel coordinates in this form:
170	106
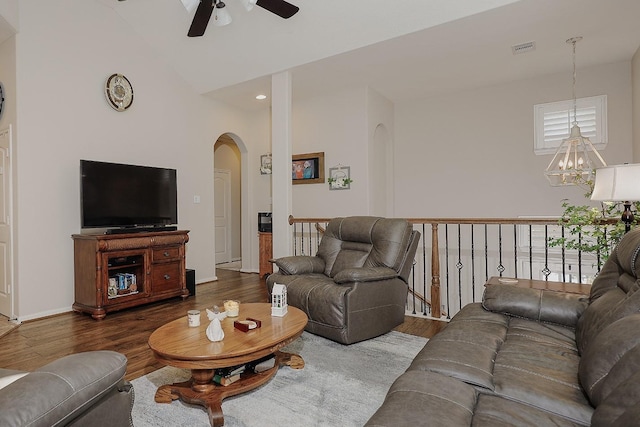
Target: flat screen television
120	196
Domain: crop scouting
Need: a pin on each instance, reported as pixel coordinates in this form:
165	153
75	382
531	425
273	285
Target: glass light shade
575	161
220	15
190	5
248	4
619	183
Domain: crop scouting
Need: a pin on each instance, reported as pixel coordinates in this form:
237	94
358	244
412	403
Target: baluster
446	263
459	267
515	250
435	273
531	252
580	258
564	263
473	266
486	252
500	266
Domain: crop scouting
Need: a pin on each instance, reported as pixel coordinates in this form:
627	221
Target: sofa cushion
536	304
7	376
426	398
611	358
300	265
466	349
69	386
364	274
364	241
537	365
318	296
615	304
492	411
621	408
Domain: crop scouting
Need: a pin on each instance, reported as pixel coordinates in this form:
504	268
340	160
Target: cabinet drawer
165	254
166	277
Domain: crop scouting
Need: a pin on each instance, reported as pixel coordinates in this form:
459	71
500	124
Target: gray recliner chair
355	287
82	389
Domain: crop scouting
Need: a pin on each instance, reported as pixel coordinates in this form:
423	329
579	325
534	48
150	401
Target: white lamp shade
619	183
248	4
190	5
221	16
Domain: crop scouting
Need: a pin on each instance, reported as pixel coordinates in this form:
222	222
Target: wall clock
119	92
1	99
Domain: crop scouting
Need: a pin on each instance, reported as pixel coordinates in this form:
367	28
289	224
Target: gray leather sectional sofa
526	357
82	389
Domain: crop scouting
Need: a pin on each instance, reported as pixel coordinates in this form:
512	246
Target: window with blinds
553	122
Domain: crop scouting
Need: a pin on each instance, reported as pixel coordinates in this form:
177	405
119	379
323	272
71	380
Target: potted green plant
591	230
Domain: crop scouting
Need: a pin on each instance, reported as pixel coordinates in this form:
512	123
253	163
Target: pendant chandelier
576	159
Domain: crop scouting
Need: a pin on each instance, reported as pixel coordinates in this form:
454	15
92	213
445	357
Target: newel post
435	272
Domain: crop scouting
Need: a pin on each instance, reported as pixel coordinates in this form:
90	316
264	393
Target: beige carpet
339	385
7	325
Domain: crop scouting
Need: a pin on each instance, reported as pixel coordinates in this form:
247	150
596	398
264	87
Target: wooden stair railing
315	228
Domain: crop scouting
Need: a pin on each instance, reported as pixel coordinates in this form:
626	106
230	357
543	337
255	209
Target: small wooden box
244	325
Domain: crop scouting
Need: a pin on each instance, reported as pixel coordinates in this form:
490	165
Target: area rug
339	386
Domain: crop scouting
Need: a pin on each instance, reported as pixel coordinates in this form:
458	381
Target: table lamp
619	183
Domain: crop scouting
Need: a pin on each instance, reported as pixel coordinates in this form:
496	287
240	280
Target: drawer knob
166	253
167	277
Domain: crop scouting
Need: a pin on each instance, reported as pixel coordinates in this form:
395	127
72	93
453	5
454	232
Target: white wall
470	154
336	124
65	51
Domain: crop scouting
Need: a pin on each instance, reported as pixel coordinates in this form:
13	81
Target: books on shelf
227	376
225	380
263	364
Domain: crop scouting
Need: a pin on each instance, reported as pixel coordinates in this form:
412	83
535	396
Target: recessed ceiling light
261	97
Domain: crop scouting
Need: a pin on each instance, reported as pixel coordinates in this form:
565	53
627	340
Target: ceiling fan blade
279	7
201	18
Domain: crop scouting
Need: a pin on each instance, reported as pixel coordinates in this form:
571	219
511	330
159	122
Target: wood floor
38	342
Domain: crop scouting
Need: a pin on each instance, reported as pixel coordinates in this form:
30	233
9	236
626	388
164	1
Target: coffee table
176	344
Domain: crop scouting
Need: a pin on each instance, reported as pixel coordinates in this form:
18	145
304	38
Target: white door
222	209
6	271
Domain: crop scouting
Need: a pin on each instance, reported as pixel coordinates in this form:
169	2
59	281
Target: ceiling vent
523	48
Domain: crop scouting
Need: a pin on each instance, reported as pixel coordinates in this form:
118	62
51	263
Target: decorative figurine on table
214	330
278	300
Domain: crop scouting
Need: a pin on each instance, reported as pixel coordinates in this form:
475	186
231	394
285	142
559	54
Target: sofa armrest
364	274
536	304
63	390
300	264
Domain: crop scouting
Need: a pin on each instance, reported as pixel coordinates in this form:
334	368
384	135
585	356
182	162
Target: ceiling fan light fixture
248	4
190	5
220	15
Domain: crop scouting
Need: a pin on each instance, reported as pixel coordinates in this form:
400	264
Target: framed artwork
340	178
265	164
307	168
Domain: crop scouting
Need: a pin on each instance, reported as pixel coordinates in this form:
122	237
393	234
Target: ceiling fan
217	8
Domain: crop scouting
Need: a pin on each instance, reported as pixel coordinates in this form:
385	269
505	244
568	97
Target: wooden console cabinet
142	268
265	244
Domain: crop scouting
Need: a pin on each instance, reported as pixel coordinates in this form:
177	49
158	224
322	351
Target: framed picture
265	164
307	168
340	178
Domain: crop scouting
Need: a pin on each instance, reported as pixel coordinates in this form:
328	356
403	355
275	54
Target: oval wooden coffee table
176	344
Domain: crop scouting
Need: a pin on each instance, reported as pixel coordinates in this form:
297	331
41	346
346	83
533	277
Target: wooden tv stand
145	267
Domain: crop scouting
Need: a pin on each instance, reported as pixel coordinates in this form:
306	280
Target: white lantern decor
278	300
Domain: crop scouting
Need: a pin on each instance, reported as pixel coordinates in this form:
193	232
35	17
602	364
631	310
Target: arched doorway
229	183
